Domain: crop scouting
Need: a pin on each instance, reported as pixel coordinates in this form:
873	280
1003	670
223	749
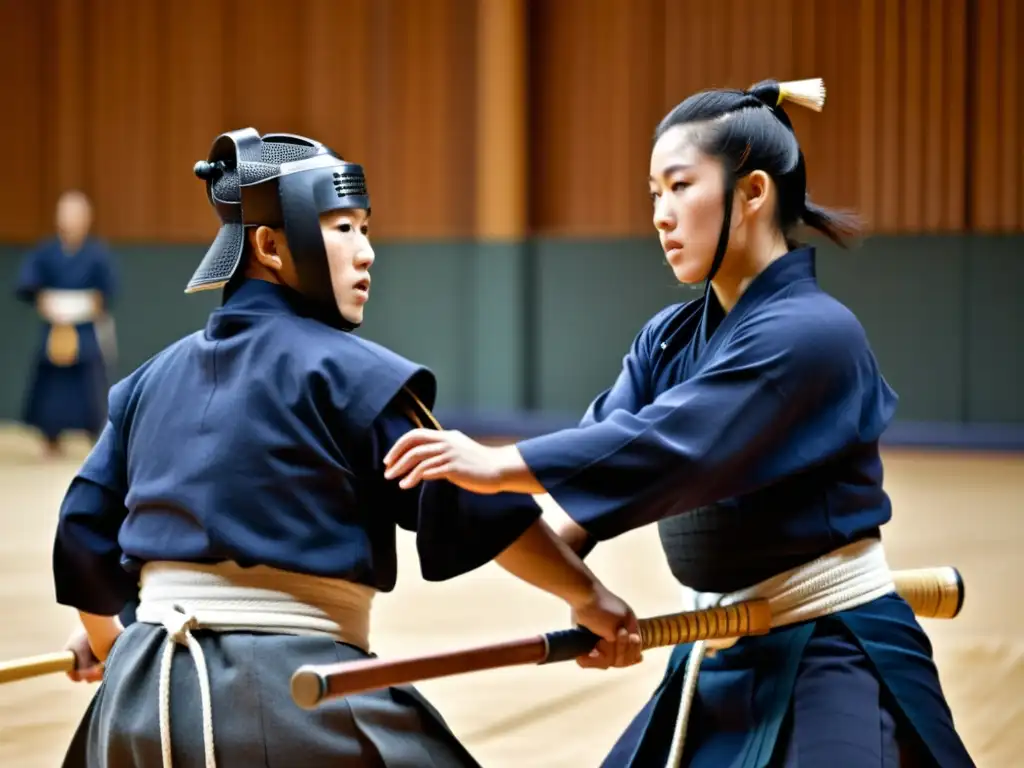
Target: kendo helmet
278	180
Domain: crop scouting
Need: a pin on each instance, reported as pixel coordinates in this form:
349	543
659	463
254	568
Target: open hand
606	615
429	454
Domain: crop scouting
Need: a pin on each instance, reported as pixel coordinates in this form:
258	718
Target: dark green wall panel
502	324
995	330
910	294
592	300
453	307
21	334
419	308
153	310
498	349
456	308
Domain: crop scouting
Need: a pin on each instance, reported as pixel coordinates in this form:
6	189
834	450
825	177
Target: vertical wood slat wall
922	131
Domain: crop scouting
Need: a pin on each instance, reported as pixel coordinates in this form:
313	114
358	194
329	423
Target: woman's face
686	189
350	257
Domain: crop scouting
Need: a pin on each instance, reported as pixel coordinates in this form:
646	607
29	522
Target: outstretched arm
458	531
770	405
630	392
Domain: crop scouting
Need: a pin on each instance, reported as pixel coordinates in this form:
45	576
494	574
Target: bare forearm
576	537
516	476
568	530
102	632
539	557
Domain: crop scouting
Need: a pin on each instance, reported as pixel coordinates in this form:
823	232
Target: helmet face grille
349	184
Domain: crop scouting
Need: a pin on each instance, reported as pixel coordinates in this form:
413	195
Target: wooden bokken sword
934	593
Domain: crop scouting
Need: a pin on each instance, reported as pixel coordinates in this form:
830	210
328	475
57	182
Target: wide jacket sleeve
779	397
87	569
456	531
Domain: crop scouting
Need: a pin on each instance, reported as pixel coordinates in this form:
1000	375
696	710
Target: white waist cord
849	577
179	630
693	662
227	598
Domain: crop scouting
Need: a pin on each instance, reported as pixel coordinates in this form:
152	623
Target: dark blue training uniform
751	438
261	440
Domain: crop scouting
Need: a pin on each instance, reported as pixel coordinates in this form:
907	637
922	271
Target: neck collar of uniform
255	295
798	264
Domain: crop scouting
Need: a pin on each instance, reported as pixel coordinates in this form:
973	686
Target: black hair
750	131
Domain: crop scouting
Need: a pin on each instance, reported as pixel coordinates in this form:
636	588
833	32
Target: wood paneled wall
922	131
997	144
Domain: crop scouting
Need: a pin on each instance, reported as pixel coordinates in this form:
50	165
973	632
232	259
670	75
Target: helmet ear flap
223	190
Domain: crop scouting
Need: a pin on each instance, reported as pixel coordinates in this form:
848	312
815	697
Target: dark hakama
255	721
751	439
854	690
260	441
63	398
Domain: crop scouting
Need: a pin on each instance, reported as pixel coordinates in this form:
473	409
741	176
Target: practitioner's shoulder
813	318
36	260
361	376
166	356
382	373
382	356
810	331
124	395
342	354
356	347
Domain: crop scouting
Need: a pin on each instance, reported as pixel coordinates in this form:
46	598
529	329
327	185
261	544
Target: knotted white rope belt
844	579
225	597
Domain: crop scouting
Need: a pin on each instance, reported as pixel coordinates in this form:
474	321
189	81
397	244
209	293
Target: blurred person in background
71	280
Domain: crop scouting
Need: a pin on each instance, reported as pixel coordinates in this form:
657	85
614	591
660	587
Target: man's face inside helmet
349	257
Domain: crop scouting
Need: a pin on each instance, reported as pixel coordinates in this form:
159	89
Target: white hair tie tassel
809	94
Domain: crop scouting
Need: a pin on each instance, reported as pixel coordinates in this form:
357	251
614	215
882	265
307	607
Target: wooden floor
951	509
